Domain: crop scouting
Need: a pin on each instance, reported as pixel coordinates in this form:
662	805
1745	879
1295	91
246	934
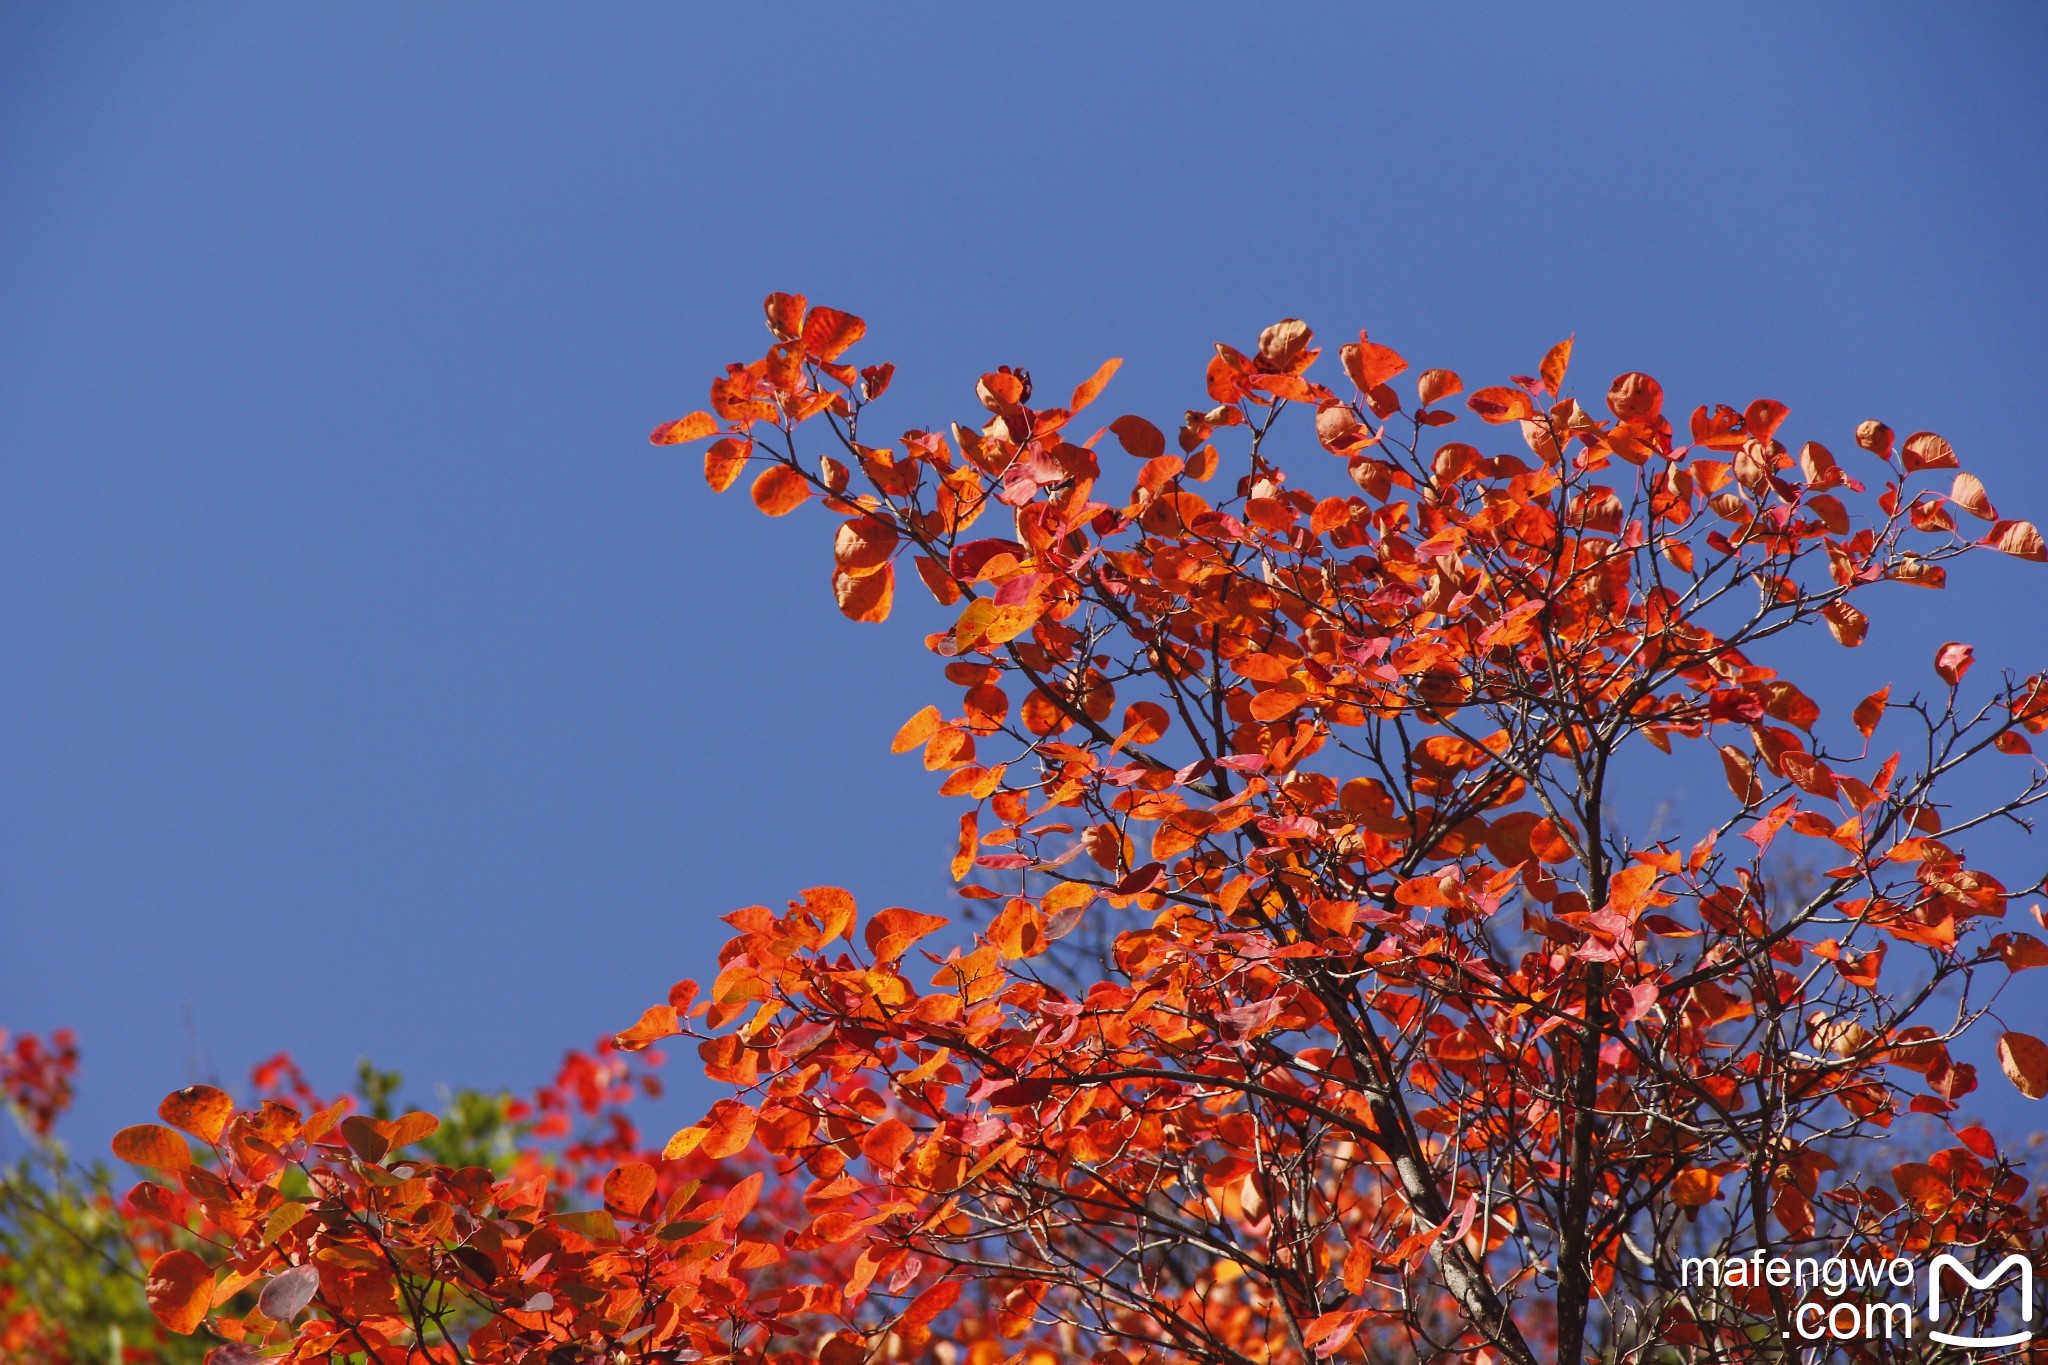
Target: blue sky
370	686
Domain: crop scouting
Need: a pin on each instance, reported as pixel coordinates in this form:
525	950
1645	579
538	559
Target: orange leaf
864	545
1555	361
147	1144
1370	364
828	332
407	1129
785	315
628	1188
180	1291
1635	397
199	1110
728	1128
1695	1188
694	427
865	597
833	908
1741	773
2024	1059
1629	888
1870	711
724	461
886	1143
2020	951
891	933
656	1022
950	748
1845	623
1325	1335
1435	384
963	858
916	730
1093	386
779	490
1967	492
1548	843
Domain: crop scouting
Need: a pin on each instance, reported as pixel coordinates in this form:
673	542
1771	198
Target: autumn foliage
1314	993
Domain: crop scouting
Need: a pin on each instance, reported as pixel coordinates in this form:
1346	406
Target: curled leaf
1502	404
656	1022
865	597
2020	539
1925	450
724	461
694	427
2024	1059
1555	362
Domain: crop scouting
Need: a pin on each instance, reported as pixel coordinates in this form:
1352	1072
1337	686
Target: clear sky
369	685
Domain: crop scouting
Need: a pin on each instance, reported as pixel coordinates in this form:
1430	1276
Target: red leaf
828	332
1140	879
1952	661
1139	437
1502	404
1925	450
785	315
1326	1335
2020	539
1370	364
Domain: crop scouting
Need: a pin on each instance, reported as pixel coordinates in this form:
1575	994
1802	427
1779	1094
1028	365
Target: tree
1394	1034
76	1254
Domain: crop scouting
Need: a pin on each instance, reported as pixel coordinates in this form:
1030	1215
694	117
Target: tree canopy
1312	993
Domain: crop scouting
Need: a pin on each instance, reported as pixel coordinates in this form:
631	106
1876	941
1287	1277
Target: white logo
1996	1273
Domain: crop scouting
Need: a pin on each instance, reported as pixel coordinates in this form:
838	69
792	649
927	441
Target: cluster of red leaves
26	1334
37	1077
1324	1004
